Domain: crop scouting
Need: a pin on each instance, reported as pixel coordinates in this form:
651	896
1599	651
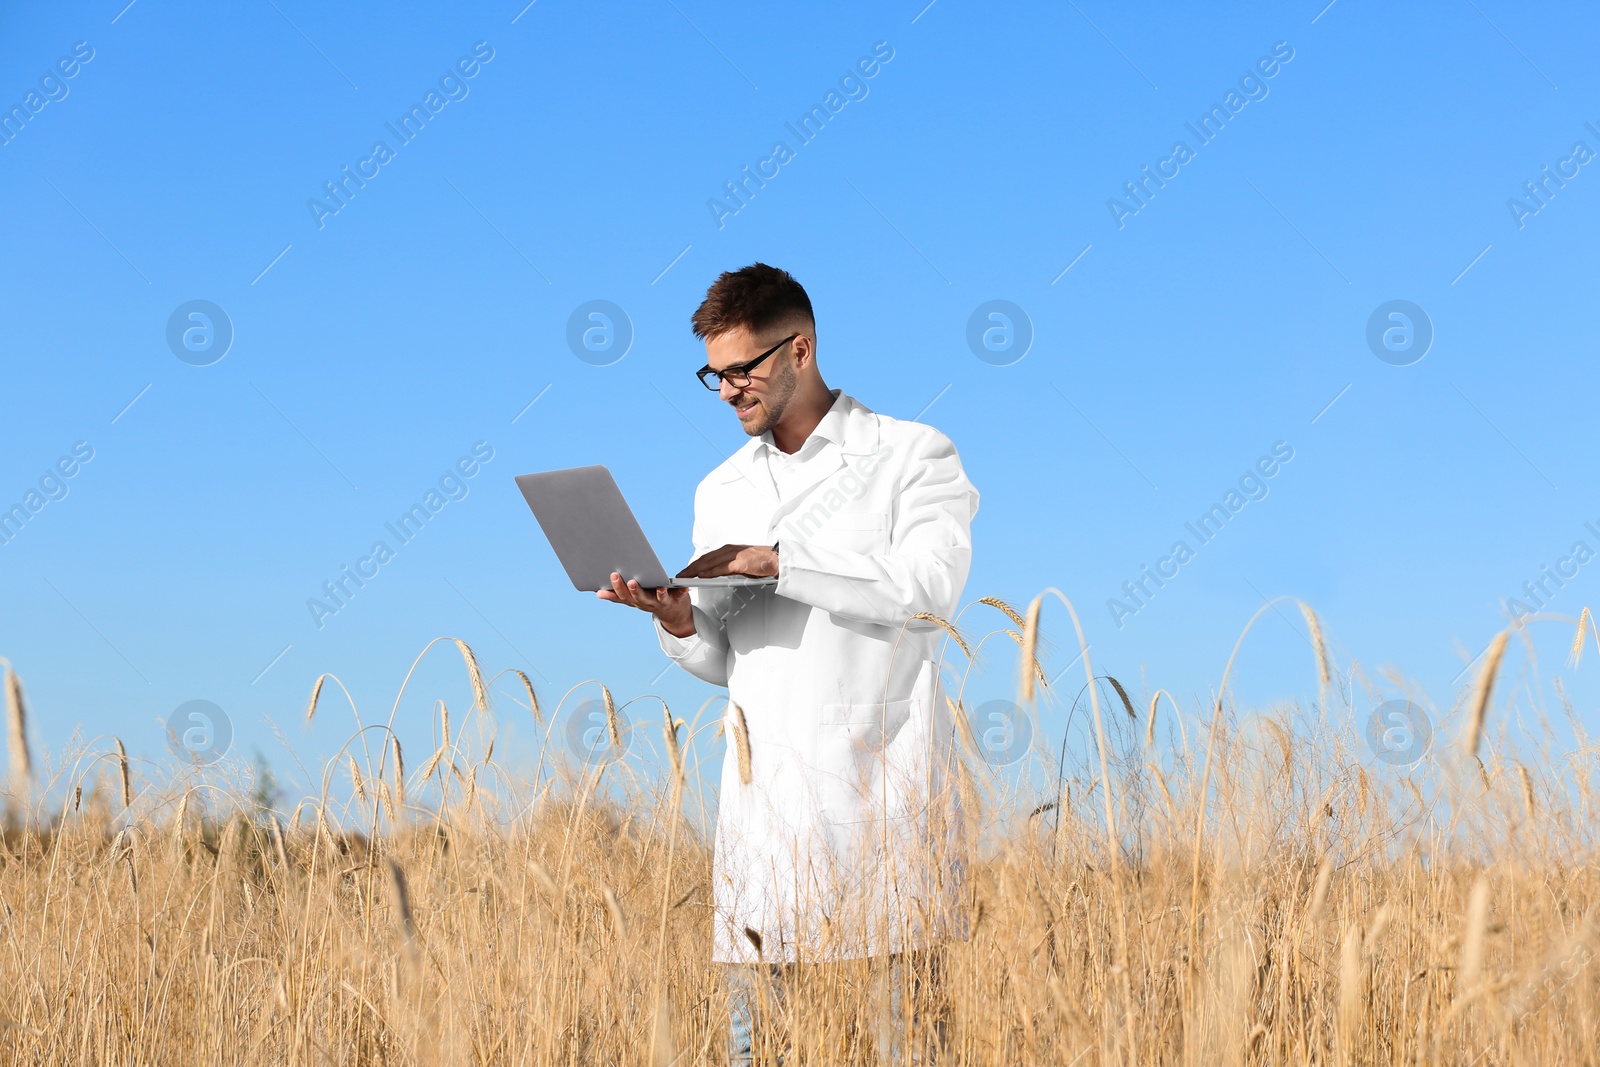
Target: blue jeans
758	990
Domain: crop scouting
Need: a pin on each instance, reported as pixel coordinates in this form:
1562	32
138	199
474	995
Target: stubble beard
780	390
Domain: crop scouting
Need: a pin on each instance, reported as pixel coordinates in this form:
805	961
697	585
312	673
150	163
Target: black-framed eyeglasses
738	375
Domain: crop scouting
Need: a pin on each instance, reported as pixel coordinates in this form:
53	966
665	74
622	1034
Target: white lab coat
847	840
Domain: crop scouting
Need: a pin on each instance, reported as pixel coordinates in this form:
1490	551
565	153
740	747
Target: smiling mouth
745	409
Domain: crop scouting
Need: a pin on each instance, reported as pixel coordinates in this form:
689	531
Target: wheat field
1207	885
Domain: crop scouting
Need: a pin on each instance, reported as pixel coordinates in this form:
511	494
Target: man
837	828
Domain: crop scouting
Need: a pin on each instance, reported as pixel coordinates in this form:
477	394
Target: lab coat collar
830	427
853	421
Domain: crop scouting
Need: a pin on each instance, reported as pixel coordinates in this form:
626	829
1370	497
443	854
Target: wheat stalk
944	624
1030	647
545	881
1150	718
228	844
614	906
1584	621
316	691
1123	693
177	820
122	848
432	764
1038	671
400	896
1324	674
1011	612
613	731
399	772
127	779
325	835
741	743
674	754
666	1053
480	694
1474	942
1352	982
275	832
960	716
1480	699
17	729
533	700
355	779
1319	891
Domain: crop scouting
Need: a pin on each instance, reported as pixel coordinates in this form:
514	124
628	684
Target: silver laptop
593	531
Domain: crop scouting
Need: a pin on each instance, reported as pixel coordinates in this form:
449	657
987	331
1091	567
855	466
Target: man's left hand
756	561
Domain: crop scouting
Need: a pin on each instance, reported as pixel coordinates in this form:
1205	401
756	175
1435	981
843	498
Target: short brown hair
752	298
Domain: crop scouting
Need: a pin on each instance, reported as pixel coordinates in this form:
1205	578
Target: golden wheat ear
613	731
1127	705
943	624
1480	698
480	694
127	778
1324	674
399	772
669	730
741	741
316	692
1011	613
533	700
1030	647
17	729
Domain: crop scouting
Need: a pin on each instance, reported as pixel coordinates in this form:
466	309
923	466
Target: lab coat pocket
866	532
852	743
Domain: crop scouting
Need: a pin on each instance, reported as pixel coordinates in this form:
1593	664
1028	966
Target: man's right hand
671	606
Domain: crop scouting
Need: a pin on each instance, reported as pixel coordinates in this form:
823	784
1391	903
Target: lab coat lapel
860	439
746	474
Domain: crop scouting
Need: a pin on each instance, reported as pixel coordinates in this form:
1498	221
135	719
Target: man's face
760	404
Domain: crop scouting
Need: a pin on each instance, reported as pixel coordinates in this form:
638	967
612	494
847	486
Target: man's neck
802	417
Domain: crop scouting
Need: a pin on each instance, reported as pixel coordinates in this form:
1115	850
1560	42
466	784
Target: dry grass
1343	913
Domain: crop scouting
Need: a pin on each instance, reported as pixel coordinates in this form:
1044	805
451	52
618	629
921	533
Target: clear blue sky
374	346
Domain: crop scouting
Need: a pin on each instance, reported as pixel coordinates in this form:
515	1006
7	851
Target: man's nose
726	391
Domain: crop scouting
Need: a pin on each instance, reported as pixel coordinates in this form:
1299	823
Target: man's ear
810	350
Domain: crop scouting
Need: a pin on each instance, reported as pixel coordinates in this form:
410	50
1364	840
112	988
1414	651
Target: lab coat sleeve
929	555
703	653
